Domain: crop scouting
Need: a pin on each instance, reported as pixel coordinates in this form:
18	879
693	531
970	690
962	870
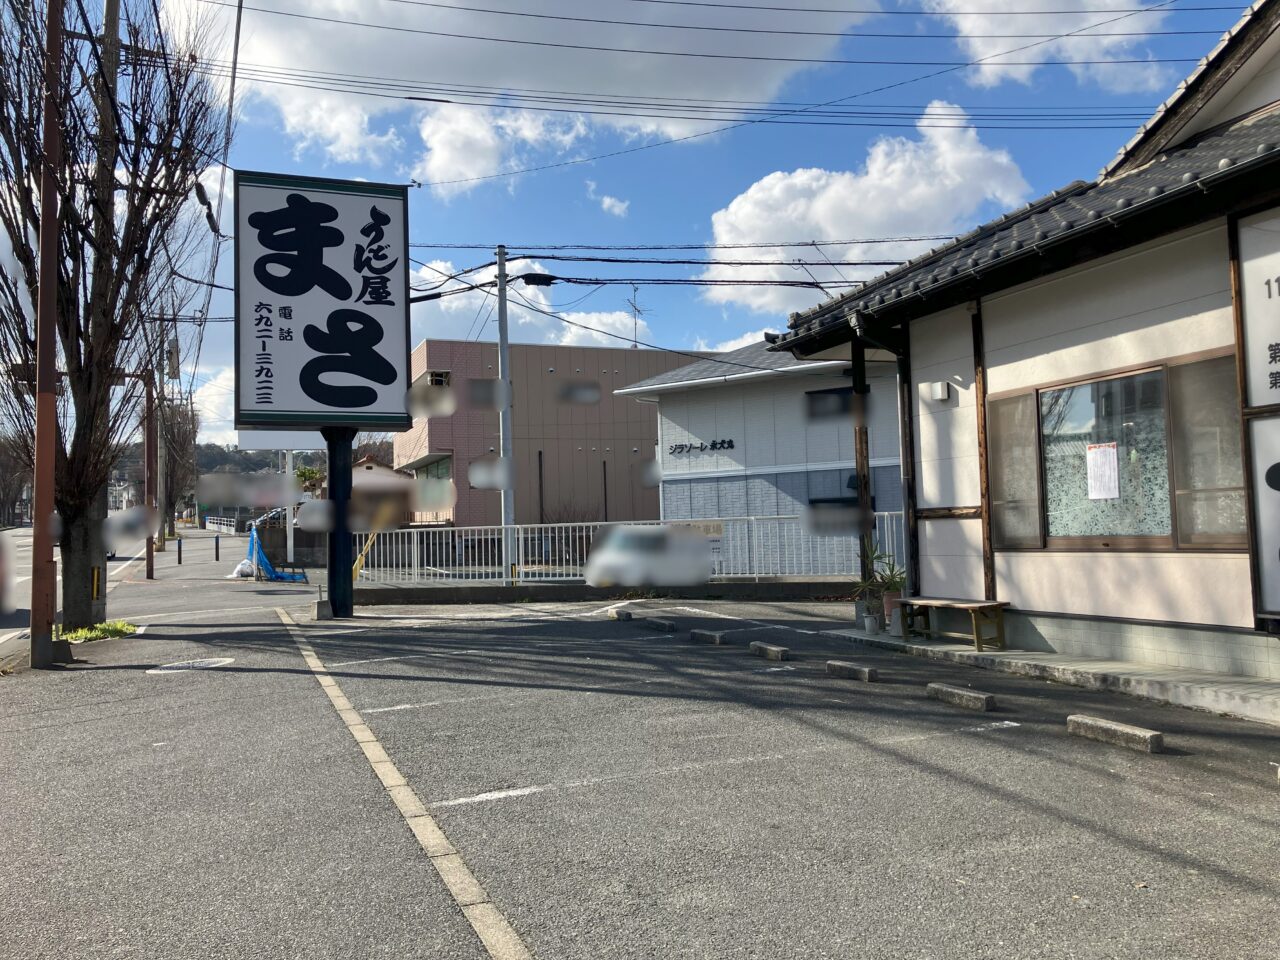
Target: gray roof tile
753	357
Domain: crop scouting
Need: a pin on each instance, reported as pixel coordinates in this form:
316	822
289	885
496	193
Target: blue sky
937	166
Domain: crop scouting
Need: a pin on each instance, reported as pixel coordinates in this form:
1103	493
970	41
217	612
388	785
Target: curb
1179	693
1118	734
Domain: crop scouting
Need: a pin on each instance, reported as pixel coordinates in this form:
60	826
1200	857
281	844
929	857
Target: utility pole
149	471
508	493
44	573
162	443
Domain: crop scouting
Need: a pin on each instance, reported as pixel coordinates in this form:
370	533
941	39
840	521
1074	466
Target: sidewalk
1246	697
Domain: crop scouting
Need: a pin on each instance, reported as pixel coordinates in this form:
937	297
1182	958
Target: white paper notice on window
1103	461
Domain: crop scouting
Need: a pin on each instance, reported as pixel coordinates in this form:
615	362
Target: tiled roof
1214	156
1175	101
753	358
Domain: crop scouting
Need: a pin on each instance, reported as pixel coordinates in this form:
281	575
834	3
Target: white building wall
1161	300
768	423
1150	304
946	453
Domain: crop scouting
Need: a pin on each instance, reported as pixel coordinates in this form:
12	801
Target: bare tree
181	424
376	445
15	474
120	250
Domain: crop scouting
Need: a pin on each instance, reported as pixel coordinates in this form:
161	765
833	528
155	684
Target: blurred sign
1264	437
713	530
279	440
1259	240
322	303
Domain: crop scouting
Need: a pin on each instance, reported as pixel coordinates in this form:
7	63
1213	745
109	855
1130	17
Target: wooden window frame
1121	544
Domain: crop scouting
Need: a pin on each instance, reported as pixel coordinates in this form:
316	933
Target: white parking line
491	795
599	688
500	940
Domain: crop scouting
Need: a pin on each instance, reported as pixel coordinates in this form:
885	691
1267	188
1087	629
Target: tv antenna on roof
636	313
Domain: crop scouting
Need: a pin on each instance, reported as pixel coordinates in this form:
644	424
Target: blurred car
631	555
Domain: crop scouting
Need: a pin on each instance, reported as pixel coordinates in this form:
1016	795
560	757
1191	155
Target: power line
535	247
705	133
1142	111
927	120
667	261
704	282
617	336
860	34
918	12
704	55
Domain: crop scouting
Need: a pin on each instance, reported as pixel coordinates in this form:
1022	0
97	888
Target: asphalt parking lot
618	791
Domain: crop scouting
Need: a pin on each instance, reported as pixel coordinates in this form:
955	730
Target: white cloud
472	315
934	185
610	205
215	402
462	143
1067	16
733	343
618	322
467	141
614	206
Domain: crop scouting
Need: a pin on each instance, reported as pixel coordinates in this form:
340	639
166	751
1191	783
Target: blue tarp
258	557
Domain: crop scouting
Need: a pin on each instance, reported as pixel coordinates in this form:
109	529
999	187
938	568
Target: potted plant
869	602
893	579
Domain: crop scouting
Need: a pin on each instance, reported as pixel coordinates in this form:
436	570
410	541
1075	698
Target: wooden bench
982	614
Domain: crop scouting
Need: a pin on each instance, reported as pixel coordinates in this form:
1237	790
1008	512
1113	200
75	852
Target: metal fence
220	524
742	547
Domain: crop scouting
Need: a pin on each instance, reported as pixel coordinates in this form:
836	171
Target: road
18	617
539	780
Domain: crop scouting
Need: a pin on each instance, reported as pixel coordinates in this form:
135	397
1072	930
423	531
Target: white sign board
280	440
1259	241
322	303
1102	462
1265	436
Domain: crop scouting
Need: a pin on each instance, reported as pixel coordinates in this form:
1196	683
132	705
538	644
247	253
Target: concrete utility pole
44	573
508	493
149	471
162	445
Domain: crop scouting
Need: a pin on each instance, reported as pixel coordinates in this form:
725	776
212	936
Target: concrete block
1119	734
320	610
961	696
718	637
664	626
770	651
851	671
616	614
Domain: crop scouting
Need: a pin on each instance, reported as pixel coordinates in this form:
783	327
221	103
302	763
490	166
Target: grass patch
100	631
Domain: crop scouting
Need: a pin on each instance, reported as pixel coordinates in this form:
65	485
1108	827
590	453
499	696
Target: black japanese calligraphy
348	345
264	374
298	233
371	261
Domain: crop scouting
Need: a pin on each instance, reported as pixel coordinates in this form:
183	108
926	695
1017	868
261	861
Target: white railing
741	547
220	524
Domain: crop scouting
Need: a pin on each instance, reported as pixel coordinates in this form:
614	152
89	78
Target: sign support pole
288	516
341	587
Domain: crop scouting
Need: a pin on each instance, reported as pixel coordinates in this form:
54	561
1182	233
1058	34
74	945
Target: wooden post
907	459
984	481
862	459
